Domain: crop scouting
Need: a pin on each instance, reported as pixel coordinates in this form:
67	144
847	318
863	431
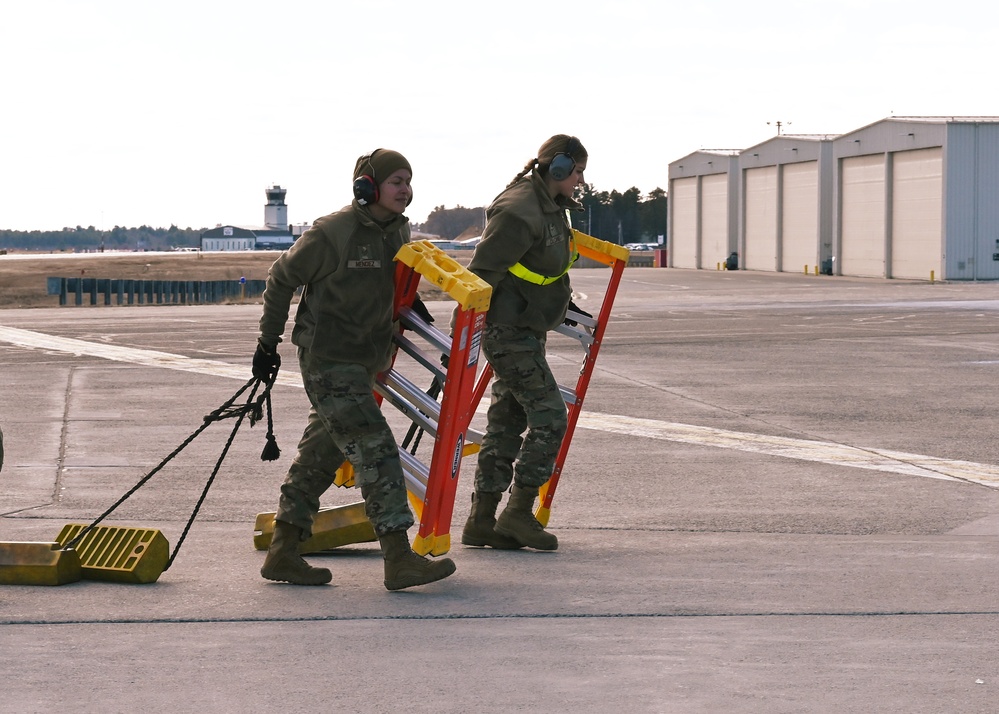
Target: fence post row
160	292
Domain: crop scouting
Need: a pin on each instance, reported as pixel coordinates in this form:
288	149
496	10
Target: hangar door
683	241
714	220
761	219
917	213
862	207
800	217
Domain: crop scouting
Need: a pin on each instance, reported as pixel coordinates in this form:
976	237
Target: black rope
249	408
414	429
271	451
252	408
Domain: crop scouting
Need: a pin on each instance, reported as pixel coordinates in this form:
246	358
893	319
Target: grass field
23	275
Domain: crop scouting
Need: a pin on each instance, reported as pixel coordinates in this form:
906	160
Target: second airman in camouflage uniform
525	254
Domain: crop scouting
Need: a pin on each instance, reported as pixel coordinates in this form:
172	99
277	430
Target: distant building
903	197
275	234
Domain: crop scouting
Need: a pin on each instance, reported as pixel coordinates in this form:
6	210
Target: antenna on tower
778	124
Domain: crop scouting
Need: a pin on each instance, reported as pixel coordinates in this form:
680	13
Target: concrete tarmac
782	496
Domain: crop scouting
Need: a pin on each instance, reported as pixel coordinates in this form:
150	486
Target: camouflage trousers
524	396
345	423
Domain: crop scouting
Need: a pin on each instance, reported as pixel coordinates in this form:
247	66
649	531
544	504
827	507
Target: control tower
275	210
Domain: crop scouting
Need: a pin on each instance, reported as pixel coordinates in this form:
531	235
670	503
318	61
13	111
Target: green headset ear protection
562	166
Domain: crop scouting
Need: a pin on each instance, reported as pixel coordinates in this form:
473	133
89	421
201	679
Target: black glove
420	309
266	363
572	306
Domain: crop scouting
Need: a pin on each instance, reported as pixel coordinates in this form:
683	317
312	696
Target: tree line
92	239
616	217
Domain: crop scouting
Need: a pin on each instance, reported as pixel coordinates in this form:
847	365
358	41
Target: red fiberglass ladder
432	489
590	333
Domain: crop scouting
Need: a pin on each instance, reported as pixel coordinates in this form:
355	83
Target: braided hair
528	167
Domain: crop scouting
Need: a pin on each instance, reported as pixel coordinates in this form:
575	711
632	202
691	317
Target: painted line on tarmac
131	355
803	449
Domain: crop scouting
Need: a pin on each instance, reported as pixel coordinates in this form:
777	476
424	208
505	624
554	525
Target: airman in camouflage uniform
343	331
525	255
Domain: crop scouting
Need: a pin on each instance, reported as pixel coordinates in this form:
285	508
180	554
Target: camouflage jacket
525	225
345	263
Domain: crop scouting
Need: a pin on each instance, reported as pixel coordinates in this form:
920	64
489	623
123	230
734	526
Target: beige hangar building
904	197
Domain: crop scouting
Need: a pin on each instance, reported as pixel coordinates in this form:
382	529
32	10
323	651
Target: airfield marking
802	449
147	358
805	449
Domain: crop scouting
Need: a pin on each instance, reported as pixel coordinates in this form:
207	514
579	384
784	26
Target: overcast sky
132	112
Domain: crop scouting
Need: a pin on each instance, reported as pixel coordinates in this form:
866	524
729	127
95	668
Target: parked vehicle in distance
643	246
467	244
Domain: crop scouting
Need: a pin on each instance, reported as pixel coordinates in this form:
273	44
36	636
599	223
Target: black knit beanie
380	164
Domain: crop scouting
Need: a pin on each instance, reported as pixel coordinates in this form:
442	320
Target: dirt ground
23	275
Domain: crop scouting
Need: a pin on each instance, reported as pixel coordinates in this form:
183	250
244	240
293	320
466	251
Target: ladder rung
402	385
586	320
416	474
568	395
424	329
410	348
410	400
584	337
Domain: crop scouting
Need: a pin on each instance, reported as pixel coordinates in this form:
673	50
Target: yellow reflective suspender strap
523	273
530	276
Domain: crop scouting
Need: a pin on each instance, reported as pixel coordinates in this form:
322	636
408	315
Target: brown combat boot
480	528
518	522
404	568
283	562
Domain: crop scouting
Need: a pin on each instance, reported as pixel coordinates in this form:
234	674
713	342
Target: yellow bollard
806	268
717	266
931	277
816	270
